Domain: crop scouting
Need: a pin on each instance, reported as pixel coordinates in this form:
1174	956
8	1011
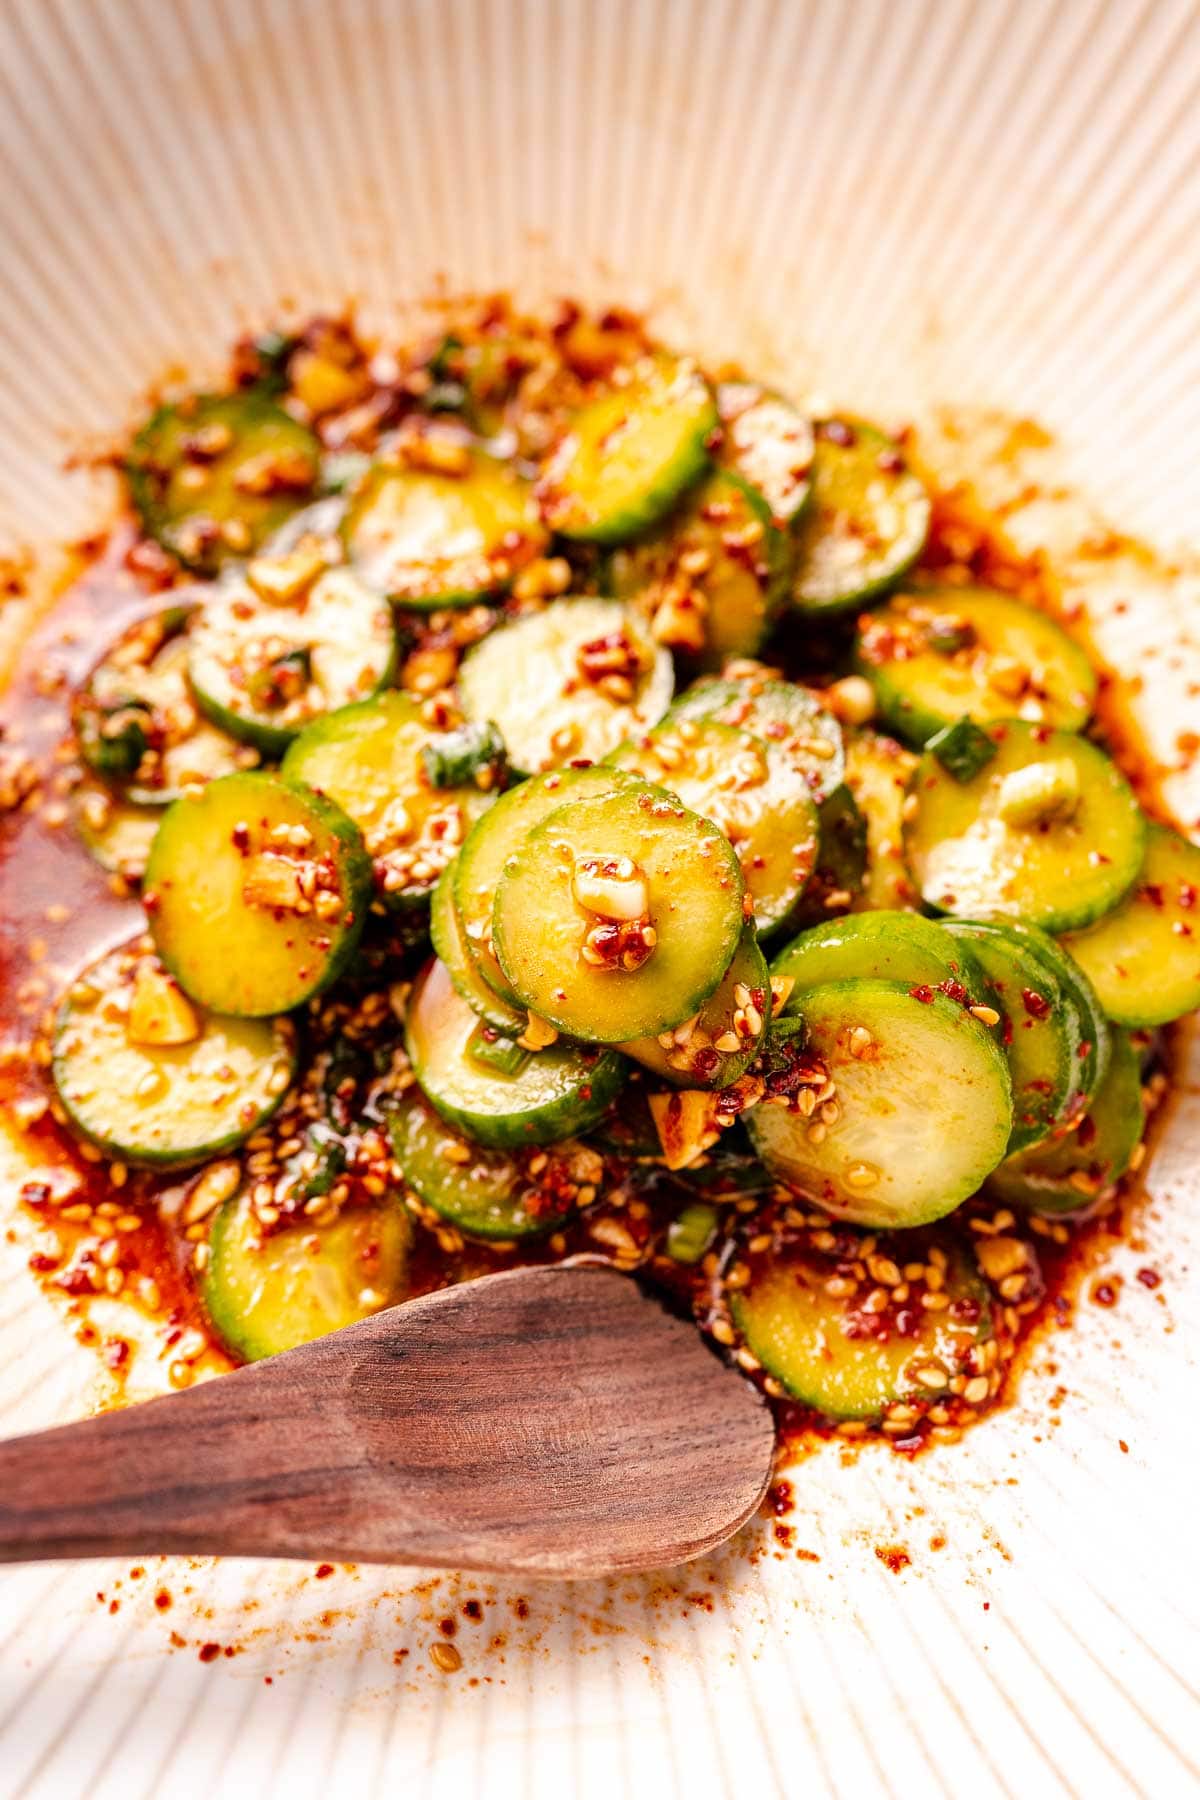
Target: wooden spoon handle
196	1472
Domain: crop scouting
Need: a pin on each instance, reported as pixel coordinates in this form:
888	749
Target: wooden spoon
551	1421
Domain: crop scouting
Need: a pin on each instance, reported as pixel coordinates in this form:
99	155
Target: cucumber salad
550	796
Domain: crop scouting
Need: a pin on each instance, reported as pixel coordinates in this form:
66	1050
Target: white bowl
898	203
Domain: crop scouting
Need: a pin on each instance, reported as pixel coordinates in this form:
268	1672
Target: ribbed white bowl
896	202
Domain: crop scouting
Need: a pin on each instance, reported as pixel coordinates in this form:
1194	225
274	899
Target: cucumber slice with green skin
780	713
867	523
496	1195
1053	1029
769	444
136	721
214	476
113	831
878	771
567	684
256	892
265	1292
924	1107
1068	1174
844	1361
558	1093
936	655
370	759
971	851
1144	959
750	790
720	1044
496	837
446	931
624	987
151	1079
630	453
721	554
881	946
837	880
263	670
430	539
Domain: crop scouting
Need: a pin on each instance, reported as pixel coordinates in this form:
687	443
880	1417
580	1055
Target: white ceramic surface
897	202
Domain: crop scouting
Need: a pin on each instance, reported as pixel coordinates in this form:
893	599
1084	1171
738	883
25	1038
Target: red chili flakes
163	1600
1035	1004
324	1570
953	990
780	1497
1104	1293
209	1652
41	1262
922	993
836	431
894	1557
1149	1278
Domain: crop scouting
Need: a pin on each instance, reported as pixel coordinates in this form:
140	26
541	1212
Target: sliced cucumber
935	655
630	453
567	684
556	1093
878	771
769	444
263	669
212	477
924	1107
848	1360
721	559
883	946
430	537
114	831
837	881
780	713
256	893
370	759
1144	958
269	1291
751	791
1053	1028
1049	832
496	837
445	929
149	1078
491	1194
726	1035
867	523
606	975
136	721
1068	1173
